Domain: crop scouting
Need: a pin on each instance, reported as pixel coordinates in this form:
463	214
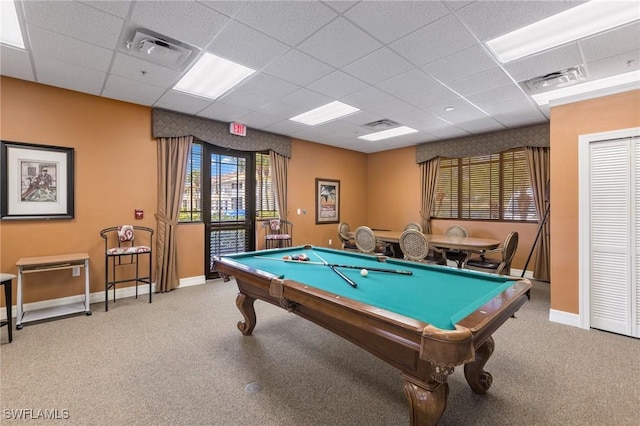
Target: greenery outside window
191	205
265	198
488	187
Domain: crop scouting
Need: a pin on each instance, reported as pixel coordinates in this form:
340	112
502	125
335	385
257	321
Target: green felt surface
440	296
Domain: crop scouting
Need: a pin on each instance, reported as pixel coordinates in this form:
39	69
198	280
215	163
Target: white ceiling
399	60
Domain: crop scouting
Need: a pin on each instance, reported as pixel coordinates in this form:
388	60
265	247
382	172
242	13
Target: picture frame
36	181
327	201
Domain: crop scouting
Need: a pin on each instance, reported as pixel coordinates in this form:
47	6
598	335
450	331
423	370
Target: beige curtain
279	169
428	180
538	164
172	166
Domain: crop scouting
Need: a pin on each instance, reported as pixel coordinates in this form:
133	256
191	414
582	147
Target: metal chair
348	243
415	246
458	256
277	233
501	266
124	244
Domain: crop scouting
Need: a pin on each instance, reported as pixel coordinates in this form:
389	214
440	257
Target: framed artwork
36	181
327	201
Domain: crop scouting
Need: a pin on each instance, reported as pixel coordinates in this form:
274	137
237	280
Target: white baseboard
566	318
98	297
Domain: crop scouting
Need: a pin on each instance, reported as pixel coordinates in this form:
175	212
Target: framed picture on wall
327	201
36	182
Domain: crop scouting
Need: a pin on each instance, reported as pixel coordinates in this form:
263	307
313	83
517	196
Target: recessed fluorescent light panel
212	76
386	134
581	21
325	113
590	86
10	32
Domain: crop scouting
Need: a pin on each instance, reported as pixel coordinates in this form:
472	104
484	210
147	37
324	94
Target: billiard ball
302	257
286	257
364	272
295	257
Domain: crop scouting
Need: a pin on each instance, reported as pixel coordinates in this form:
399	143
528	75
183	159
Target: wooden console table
27	265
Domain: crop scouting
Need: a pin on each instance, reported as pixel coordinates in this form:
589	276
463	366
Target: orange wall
568	122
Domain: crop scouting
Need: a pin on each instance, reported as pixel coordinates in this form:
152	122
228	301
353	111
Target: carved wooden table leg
480	380
427	401
245	305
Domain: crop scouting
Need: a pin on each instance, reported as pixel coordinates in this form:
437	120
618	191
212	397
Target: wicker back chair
502	265
415	246
458	256
348	243
413	225
365	239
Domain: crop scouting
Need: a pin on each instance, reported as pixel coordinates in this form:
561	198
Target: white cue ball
364	272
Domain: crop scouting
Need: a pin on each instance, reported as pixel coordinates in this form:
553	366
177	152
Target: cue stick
390	271
333	268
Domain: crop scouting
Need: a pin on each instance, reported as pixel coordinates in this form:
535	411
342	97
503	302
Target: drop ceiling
398	61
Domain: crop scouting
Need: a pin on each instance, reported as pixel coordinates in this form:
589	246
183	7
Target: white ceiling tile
75	20
611	43
280	109
240	98
427	45
407	83
348	43
480	82
287	21
246	46
498	95
620	64
421	120
68	49
268	86
391	109
143	71
131	91
462	112
367	97
480	125
114	7
223	112
373	17
362	117
305	99
378	66
461	64
68	76
341	5
226	7
298	68
257	119
15	63
186	21
489	19
337	84
436	96
181	101
516	113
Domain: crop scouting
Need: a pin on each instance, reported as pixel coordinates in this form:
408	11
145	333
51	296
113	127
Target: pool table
422	319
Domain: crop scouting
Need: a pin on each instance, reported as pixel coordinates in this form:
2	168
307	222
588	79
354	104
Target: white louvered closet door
614	235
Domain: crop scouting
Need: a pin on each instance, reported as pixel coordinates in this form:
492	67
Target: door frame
584	216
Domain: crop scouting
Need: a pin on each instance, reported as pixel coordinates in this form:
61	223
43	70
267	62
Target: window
487	187
191	206
265	198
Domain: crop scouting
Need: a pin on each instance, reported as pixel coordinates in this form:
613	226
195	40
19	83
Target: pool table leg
245	305
480	380
427	401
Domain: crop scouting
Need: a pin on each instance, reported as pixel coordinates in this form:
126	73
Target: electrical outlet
75	271
330	242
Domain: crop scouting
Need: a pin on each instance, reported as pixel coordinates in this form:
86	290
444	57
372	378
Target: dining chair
123	246
458	256
348	243
366	241
415	246
501	265
413	225
5	281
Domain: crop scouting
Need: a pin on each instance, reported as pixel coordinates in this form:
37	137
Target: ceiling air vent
556	80
159	49
383	124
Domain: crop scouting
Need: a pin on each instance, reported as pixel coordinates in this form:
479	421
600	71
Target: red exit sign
238	129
